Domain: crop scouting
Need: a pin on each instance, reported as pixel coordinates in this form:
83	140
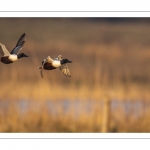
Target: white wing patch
3	50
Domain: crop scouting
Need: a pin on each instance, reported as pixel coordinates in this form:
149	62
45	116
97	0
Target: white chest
13	57
56	63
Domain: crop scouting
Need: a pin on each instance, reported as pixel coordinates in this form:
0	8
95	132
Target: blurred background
109	90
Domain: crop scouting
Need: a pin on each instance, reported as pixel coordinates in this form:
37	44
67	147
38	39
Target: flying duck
9	57
58	62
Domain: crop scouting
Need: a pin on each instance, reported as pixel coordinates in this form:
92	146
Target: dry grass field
111	58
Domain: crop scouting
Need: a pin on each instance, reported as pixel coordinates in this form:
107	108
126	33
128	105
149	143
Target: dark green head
64	61
21	55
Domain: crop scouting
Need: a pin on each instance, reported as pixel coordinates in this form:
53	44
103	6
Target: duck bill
25	55
69	61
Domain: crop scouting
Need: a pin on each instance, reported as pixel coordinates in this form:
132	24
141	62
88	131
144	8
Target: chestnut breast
48	66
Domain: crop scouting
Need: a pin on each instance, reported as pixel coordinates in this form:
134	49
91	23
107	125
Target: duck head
64	61
21	55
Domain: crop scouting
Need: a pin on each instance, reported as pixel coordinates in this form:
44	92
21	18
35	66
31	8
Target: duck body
58	62
48	66
10	57
52	65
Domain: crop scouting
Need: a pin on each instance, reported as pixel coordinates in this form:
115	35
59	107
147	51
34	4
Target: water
136	108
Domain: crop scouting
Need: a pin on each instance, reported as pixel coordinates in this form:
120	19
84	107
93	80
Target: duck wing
19	44
3	50
41	68
65	70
